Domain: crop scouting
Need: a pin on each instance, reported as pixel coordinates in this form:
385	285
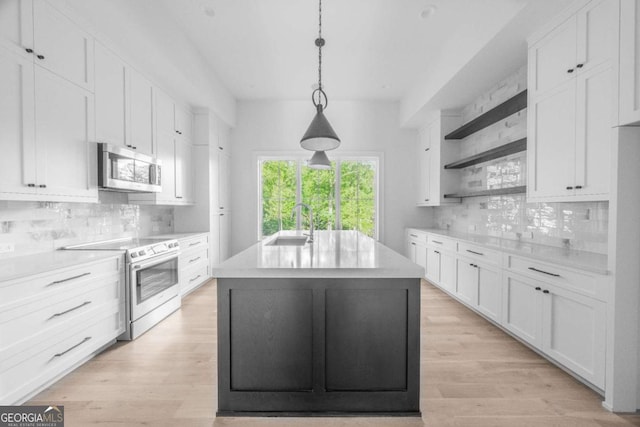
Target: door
433	265
184	123
489	292
184	171
17	138
152	283
552	60
225	229
66	162
448	271
574	331
424	165
224	179
110	97
166	154
467	286
62	47
629	62
164	113
550	155
594	121
140	116
411	251
16	26
597	29
522	308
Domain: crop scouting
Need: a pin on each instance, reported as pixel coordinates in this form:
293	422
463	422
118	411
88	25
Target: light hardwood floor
473	374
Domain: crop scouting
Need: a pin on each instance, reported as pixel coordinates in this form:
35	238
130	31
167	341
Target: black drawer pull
436	252
57	282
544	272
546	291
435	241
474	252
579	65
194	260
31	185
569	188
570	70
194	279
413	243
42	186
220	148
71	348
426	149
426	200
40	56
62	313
578	187
538	288
29	50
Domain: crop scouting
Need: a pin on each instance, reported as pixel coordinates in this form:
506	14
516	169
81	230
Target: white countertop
29	265
581	260
333	254
177	235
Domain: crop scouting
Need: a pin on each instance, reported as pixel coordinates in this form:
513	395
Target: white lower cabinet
567	326
558	310
52	322
194	268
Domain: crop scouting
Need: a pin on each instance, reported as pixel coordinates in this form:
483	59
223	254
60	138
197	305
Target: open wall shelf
507	108
495	192
494	153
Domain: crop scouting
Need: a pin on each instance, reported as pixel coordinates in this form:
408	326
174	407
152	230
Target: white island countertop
333	254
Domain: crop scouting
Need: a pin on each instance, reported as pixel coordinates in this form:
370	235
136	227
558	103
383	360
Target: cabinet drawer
583	283
416	236
194	242
20	322
479	253
45	284
197	256
192	277
25	372
441	242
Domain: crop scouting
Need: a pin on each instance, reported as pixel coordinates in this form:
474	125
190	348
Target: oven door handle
153	261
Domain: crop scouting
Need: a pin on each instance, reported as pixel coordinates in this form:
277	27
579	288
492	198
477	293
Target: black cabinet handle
40	56
223	215
538	288
580	65
436	252
222	207
426	200
29	50
546	291
220	148
474	252
569	188
570	70
578	187
544	272
42	186
31	185
426	149
413	243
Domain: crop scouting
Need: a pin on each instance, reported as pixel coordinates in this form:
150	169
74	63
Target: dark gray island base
318	346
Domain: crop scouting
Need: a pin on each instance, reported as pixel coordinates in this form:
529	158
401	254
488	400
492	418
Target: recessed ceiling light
428	12
209	11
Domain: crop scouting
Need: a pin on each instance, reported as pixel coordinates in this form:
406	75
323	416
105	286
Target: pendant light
320	136
319	160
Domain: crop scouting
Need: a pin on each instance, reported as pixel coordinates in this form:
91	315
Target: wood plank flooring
473	374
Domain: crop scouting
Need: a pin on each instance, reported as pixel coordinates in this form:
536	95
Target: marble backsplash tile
33	227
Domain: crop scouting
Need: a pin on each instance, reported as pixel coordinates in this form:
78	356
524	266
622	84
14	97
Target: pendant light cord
320	43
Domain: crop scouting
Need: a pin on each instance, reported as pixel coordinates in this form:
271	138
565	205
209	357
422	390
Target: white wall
363	126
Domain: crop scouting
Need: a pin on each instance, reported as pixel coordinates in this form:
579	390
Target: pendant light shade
320	136
319	160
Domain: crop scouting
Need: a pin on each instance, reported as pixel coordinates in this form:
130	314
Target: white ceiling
376	49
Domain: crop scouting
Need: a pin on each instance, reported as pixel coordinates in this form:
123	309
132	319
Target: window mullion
337	195
298	193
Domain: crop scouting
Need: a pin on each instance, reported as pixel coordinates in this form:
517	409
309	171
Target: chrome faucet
304	205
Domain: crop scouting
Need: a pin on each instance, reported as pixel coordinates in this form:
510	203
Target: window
342	198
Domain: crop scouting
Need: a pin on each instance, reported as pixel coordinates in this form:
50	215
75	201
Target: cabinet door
597	29
467	286
141	120
629	62
184	171
423	157
165	121
63	47
16	26
184	122
421	256
489	292
552	57
594	103
110	97
225	243
411	250
522	308
64	128
17	139
214	240
448	271
433	265
574	333
224	178
550	155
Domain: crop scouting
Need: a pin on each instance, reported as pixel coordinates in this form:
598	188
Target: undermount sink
288	241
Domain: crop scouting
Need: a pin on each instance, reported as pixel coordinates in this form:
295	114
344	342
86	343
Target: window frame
301	157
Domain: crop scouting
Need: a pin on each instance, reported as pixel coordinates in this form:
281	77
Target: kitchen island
318	328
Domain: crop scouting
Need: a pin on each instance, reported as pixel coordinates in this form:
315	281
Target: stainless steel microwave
122	169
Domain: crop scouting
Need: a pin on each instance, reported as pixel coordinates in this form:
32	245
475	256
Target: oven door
152	283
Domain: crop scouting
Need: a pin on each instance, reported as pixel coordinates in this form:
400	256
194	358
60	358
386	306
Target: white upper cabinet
183	123
16	26
572	107
423	157
62	47
141	114
629	62
184	170
110	97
